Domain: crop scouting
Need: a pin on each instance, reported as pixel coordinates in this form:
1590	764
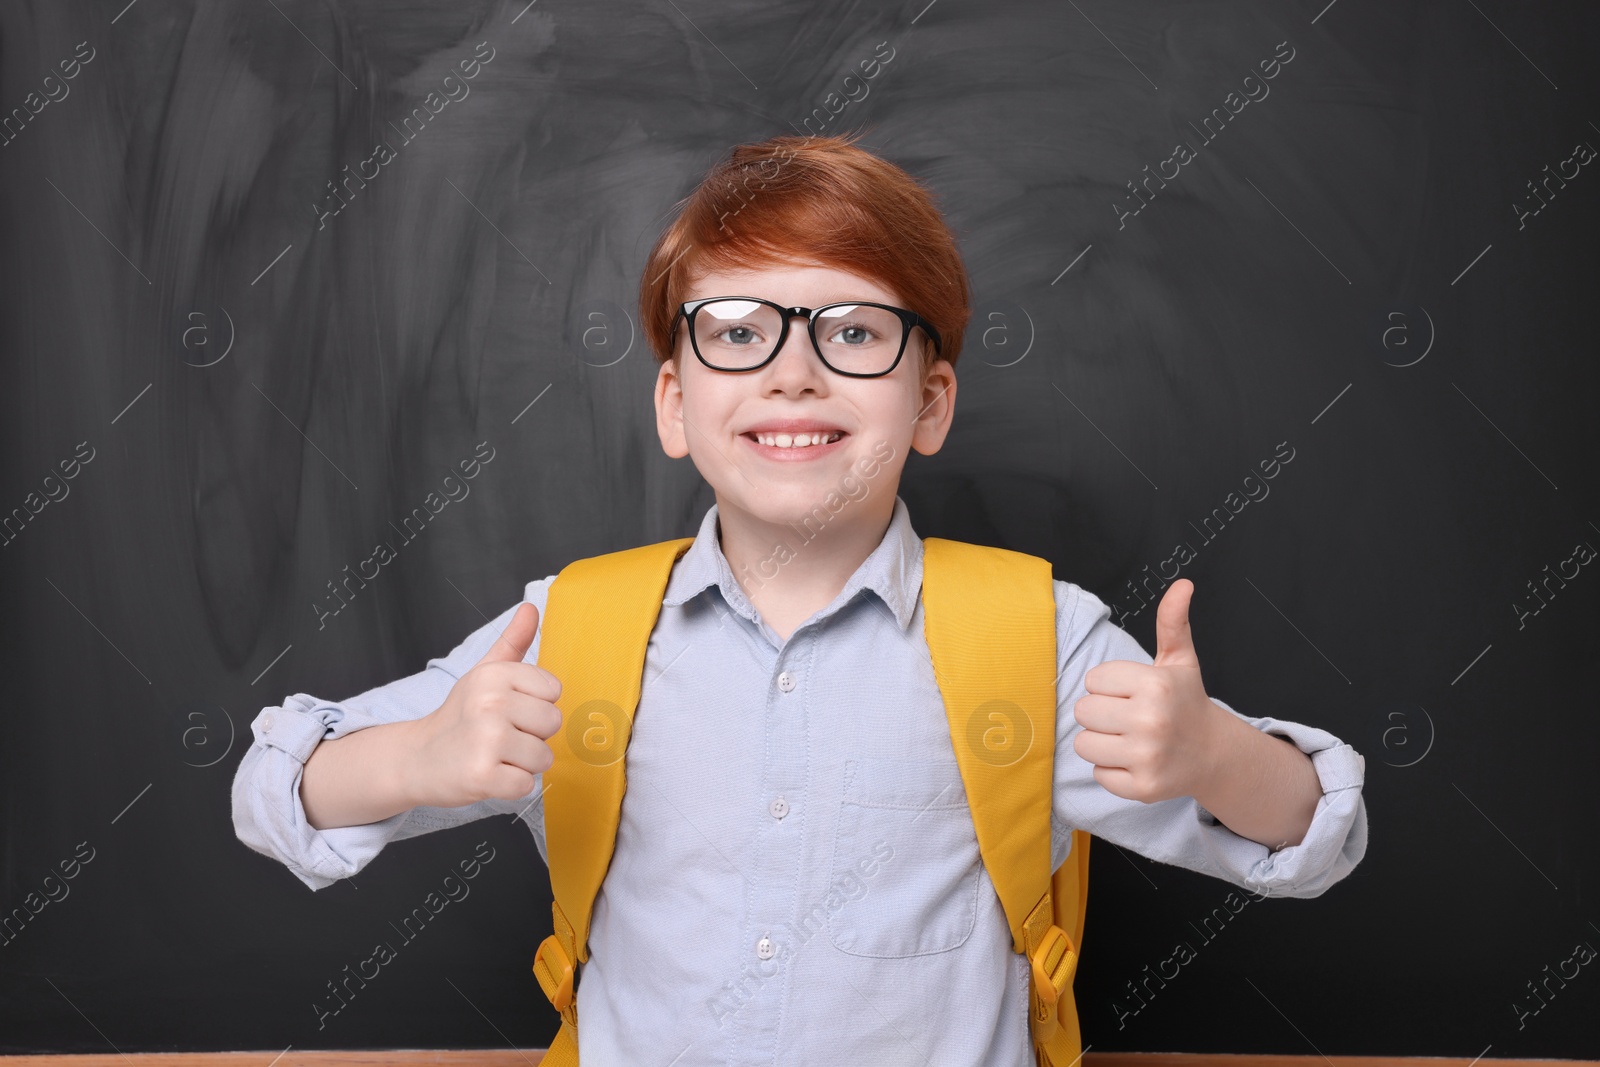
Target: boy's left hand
1151	731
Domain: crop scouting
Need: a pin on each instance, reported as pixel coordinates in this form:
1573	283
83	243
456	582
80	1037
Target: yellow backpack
989	621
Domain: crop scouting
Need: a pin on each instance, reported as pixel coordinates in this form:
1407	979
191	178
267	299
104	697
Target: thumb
1174	641
512	644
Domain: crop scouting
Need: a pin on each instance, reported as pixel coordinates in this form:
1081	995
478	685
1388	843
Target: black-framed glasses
855	338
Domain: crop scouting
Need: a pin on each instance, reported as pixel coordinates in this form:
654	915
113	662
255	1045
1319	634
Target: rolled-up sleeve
268	815
1180	831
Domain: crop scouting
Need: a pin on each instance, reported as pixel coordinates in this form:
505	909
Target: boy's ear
937	405
669	410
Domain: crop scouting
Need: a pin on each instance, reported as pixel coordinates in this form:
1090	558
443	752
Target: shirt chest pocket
905	870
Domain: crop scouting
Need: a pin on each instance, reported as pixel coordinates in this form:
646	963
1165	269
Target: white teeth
799	440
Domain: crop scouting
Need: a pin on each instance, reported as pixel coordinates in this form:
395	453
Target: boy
796	877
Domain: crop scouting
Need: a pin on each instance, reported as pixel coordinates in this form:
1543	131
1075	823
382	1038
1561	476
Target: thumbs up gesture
1150	731
488	737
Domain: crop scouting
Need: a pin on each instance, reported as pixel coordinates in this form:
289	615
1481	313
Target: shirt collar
893	570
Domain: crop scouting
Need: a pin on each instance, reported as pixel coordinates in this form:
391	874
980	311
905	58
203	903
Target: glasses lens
859	339
736	334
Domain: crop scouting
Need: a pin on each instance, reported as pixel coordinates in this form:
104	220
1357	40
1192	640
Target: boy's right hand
488	737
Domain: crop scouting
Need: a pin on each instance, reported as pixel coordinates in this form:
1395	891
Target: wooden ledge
531	1057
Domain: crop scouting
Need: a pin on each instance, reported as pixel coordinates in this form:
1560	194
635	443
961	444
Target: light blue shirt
796	876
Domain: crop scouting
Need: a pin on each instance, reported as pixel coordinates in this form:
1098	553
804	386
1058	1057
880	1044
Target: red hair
815	200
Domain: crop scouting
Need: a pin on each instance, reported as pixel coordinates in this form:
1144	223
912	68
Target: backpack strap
989	620
593	635
1069	891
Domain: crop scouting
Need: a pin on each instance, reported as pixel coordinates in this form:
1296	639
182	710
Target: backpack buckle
1054	962
553	968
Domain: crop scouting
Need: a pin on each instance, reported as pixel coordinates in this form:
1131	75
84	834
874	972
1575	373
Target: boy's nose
798	359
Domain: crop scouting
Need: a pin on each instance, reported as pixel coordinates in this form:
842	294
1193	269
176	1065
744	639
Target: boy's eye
851	335
738	335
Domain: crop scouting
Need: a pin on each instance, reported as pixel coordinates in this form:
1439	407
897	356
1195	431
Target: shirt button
786	681
266	721
779	808
765	948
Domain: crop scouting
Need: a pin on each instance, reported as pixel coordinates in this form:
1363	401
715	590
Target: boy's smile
794	440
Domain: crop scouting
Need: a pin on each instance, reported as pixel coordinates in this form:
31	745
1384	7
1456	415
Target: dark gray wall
1352	267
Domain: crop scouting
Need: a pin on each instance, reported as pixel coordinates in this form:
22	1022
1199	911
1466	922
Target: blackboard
221	379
